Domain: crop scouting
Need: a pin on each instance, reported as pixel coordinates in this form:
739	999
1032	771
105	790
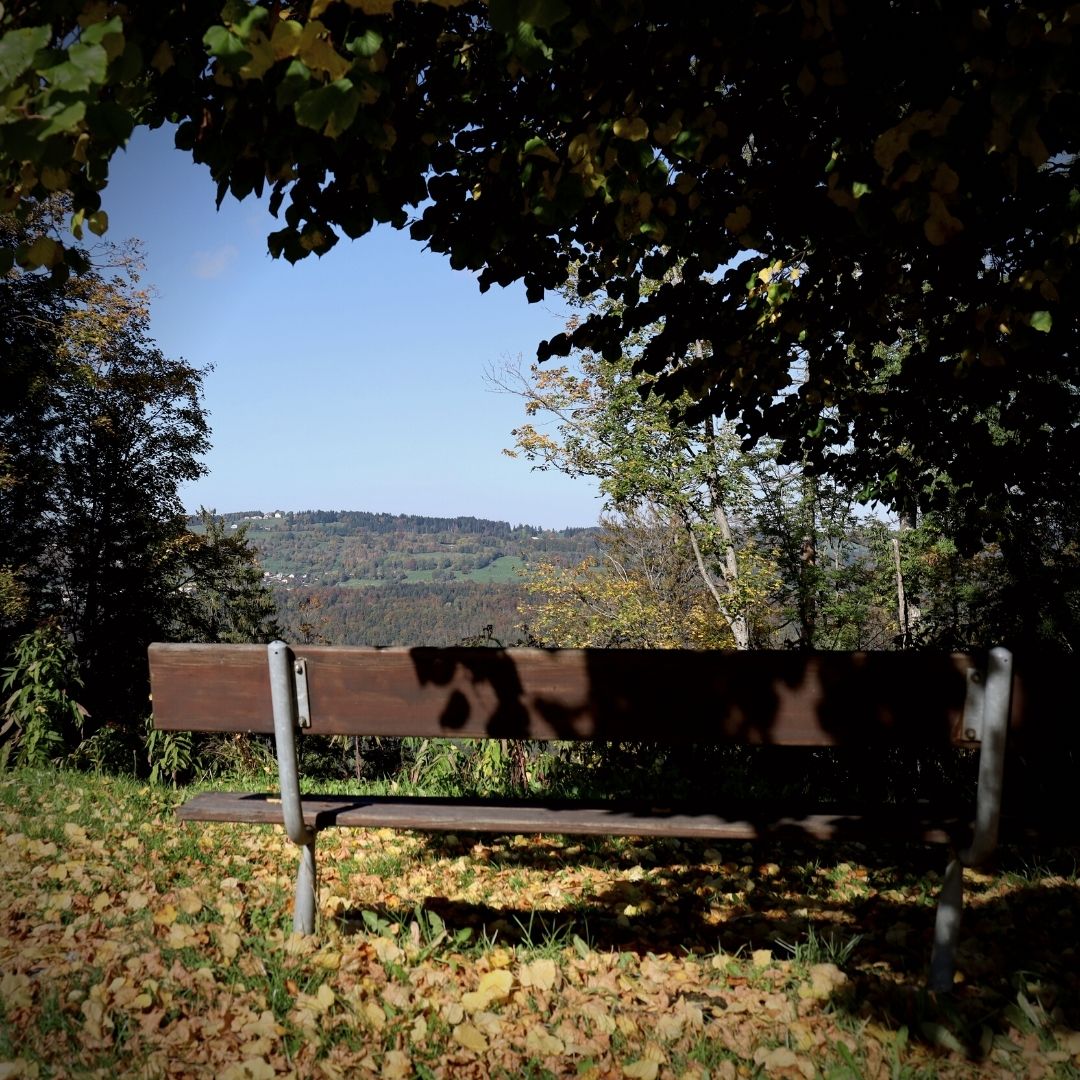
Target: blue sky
351	382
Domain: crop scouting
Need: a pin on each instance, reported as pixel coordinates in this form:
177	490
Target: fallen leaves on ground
134	945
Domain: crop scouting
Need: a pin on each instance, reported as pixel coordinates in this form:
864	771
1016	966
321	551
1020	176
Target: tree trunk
901	597
808	565
737	621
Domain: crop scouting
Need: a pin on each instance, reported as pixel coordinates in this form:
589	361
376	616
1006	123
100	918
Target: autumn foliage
133	945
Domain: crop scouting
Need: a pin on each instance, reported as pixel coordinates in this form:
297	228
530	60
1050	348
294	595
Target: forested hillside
361	578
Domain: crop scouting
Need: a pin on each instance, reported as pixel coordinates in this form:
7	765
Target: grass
131	945
825	948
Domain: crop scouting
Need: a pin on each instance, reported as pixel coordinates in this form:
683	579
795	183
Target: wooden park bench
868	700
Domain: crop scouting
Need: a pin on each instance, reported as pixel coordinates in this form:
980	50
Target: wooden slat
614	819
776	698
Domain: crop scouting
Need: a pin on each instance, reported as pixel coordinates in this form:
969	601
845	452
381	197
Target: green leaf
330	108
226	46
543	13
366	45
294	82
111	121
1041	321
17	48
506	15
96	33
64	120
249	19
127	66
85	67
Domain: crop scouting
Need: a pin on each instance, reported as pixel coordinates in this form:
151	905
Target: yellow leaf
497	984
778	1058
316	50
375	1015
54	179
189	902
101	901
500	958
494	986
15	990
229	942
761	958
228	910
17	1067
329	961
632	129
824	980
642	1070
325	996
75	833
249	1069
1032	146
738	220
470	1037
163	58
541	974
285	40
181	936
373	7
669	1027
579	149
165	916
686	183
137	901
664	133
541	1042
387	950
397	1065
945	179
44	251
940	226
262	56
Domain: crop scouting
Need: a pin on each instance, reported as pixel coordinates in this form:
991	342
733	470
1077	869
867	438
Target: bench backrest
671	696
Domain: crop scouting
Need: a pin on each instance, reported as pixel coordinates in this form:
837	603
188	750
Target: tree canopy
98	431
873	209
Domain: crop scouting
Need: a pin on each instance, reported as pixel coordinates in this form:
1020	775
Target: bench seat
751	821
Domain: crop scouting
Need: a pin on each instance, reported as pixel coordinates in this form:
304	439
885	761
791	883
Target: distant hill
360	578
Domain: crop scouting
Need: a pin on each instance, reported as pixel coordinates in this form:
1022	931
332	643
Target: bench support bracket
996	707
288	685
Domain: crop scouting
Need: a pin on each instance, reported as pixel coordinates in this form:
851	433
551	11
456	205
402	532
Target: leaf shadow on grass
1018	934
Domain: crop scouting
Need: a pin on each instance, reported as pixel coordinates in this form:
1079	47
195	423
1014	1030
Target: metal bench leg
283	675
992	731
307	889
947	927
